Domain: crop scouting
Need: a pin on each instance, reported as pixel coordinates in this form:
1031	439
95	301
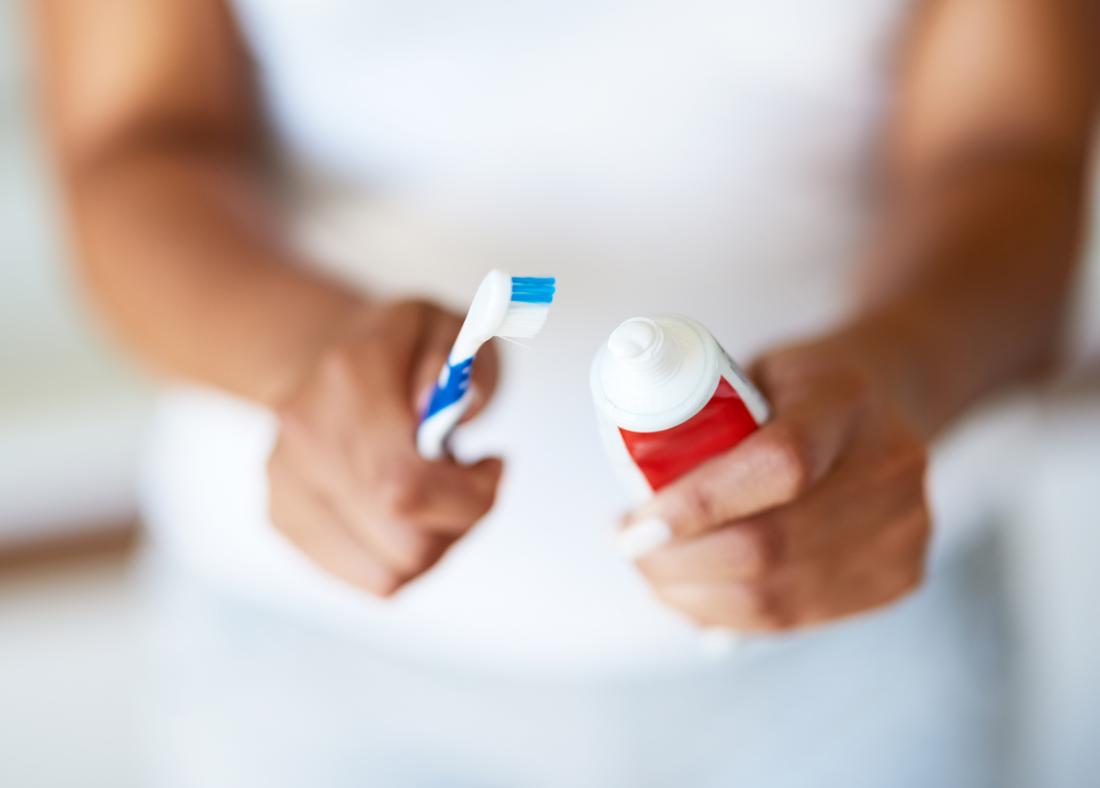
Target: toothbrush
504	306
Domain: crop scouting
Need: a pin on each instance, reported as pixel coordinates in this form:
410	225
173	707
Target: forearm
180	248
966	289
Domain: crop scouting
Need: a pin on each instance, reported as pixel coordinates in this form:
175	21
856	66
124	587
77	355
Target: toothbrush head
528	306
505	306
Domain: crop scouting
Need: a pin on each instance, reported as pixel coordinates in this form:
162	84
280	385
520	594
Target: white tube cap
654	371
640	347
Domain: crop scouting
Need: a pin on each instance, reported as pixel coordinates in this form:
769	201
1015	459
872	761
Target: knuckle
759	547
700	503
294	428
482	495
337	367
286	523
921	530
415	308
858	388
300	435
483	506
789	457
763	609
915	578
911	530
906	458
907	580
416	554
277	475
913	453
922	526
772	370
384	584
918	456
275	465
685	599
401	491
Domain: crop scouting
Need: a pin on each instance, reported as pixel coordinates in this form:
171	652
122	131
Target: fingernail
642	537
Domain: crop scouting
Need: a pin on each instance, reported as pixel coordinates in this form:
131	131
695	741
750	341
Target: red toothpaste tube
668	398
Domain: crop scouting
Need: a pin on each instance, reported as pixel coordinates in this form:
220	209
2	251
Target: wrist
898	362
875	357
320	329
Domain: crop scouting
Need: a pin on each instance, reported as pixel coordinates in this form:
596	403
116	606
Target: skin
347	485
822	513
818	515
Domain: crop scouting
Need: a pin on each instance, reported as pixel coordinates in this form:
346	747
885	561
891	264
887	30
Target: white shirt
705	158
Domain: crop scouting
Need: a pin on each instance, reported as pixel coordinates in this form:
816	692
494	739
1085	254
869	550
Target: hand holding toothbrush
361	478
347	484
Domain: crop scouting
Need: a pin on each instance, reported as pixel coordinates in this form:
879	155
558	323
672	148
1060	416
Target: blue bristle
533	289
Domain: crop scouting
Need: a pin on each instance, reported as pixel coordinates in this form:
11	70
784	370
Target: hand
819	514
347	485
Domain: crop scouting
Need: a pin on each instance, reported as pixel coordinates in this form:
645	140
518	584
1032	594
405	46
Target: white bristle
523	320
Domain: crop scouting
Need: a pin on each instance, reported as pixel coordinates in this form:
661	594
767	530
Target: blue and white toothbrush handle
451	398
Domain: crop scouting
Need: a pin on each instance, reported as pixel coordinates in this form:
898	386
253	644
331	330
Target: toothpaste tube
668	397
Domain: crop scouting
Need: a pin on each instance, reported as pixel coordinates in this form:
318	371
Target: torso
704	158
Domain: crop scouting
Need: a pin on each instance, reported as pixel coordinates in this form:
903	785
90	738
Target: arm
822	512
157	133
985	182
158	140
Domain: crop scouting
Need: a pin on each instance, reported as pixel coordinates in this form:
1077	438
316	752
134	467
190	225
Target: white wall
70	412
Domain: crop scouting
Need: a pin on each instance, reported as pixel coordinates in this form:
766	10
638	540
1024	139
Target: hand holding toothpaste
347	484
818	514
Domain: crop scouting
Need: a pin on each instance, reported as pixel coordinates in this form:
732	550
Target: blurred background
71	418
71	424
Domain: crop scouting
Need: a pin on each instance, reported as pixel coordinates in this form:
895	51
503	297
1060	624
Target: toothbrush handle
451	398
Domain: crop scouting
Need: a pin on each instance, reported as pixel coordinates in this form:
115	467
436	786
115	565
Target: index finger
772	467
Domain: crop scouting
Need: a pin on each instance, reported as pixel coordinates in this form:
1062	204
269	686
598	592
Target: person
285	209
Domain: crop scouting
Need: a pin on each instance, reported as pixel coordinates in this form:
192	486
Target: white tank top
706	158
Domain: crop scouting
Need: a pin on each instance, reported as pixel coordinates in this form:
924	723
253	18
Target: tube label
666	455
